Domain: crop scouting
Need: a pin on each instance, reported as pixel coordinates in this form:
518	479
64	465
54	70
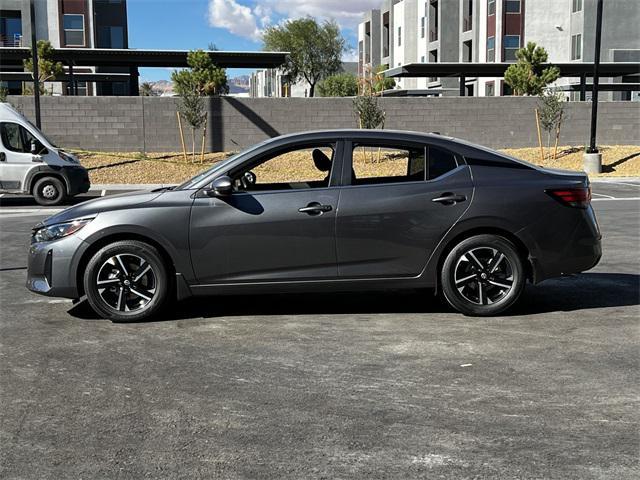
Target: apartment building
68	24
430	31
271	82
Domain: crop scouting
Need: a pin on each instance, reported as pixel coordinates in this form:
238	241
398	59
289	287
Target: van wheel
49	191
483	276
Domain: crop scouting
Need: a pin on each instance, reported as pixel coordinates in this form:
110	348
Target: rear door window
440	162
377	164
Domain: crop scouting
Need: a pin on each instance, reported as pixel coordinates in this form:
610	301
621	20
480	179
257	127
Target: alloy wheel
126	283
483	275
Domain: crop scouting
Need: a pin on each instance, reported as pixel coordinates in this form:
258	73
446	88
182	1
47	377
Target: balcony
11	40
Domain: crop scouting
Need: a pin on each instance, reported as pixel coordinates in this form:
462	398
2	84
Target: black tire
49	191
141	298
474	285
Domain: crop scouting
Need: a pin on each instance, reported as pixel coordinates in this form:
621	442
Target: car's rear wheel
49	191
127	281
483	275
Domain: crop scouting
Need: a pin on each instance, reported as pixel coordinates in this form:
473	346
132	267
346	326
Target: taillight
578	197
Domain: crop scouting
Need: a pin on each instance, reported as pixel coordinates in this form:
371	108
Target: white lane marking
31	210
621	183
603	195
614	199
103	193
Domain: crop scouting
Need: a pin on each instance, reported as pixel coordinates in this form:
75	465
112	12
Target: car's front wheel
483	275
127	281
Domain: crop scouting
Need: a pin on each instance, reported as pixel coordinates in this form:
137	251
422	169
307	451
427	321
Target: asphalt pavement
391	385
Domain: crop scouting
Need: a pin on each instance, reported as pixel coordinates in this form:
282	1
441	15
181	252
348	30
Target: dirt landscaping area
167	168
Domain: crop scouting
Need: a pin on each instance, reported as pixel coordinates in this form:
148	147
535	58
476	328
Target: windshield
47	139
192	183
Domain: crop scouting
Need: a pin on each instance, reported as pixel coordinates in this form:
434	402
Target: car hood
93	207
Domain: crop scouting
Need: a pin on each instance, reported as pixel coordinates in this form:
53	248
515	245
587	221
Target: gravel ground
173	168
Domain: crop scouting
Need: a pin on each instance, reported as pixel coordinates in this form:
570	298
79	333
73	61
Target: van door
16	157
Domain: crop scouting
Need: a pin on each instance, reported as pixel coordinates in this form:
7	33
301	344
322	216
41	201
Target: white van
31	164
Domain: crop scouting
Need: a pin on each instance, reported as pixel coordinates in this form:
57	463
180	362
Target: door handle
449	199
315	208
3	157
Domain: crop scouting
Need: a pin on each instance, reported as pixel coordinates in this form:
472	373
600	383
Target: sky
229	24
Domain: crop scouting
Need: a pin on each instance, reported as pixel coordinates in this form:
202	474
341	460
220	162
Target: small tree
47	68
315	50
527	77
201	79
551	108
380	82
146	89
202	74
192	109
3	95
339	85
365	105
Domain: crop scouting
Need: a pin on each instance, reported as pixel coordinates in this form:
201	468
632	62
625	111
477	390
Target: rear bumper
50	269
579	250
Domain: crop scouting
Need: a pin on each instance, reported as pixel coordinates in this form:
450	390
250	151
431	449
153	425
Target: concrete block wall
132	124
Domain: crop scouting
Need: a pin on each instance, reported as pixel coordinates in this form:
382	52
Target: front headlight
67	158
54	232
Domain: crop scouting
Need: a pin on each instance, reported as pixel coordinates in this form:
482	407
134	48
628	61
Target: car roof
363	133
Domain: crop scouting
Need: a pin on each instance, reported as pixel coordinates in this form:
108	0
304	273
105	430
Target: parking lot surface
391	385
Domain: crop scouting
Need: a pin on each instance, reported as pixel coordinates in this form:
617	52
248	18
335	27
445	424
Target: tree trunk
312	88
193	144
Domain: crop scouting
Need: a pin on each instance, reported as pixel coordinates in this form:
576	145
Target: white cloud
348	13
350	55
249	21
234	17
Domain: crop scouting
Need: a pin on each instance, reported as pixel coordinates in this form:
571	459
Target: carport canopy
498	69
133	59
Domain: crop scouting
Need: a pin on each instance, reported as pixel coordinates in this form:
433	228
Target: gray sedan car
338	210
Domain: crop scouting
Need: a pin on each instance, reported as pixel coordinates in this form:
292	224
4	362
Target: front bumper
51	267
77	180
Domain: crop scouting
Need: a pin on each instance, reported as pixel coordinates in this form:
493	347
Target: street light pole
34	54
593	148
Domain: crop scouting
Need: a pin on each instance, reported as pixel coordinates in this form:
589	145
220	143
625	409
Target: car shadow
580	292
10	200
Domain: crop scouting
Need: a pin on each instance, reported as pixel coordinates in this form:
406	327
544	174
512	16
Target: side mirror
220	187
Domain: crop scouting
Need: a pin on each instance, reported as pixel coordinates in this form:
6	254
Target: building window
491	49
399	36
490	89
491	7
576	47
577	6
467	51
73	30
10	29
422	27
110	37
511	46
512	6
